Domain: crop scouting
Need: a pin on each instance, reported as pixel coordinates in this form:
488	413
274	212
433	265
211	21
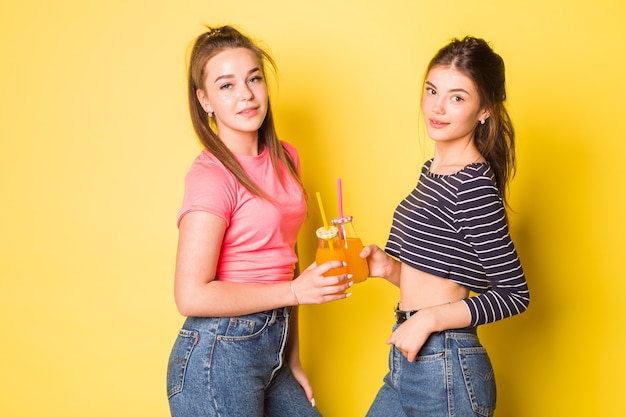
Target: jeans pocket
479	379
245	328
179	358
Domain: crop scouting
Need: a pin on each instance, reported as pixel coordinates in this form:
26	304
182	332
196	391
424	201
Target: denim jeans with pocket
234	366
451	377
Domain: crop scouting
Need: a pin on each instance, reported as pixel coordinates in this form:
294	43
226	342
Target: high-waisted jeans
451	377
234	367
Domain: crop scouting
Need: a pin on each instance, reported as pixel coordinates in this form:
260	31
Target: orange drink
324	255
329	249
357	266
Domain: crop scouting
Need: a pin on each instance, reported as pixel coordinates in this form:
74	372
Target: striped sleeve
482	222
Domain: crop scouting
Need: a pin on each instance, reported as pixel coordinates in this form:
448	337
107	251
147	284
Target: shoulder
478	197
206	164
210	187
477	178
207	171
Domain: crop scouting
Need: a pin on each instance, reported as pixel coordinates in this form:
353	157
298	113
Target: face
451	105
235	92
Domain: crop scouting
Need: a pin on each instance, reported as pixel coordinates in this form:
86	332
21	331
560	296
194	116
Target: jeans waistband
282	312
402	316
273	314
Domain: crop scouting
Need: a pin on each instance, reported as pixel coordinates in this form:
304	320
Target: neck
243	144
450	158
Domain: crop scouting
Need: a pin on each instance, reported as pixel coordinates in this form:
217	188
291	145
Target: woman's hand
312	287
381	265
411	335
303	380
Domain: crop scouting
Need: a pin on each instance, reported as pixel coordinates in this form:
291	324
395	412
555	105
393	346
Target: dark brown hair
206	46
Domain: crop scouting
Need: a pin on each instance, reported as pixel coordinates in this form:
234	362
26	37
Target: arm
503	291
198	293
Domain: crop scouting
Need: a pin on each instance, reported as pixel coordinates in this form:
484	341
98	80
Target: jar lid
342	220
327	232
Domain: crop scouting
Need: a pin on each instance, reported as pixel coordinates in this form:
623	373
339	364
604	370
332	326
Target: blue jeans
451	377
234	366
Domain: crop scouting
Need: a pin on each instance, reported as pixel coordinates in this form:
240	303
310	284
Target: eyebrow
226	76
454	90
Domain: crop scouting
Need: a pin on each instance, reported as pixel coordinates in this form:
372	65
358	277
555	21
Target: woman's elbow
185	304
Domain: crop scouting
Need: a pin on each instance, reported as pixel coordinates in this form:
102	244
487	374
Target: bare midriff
420	290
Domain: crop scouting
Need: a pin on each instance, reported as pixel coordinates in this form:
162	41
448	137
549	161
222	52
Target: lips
437	124
249	111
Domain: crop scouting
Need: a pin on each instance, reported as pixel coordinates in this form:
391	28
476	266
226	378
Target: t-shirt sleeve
484	226
209	187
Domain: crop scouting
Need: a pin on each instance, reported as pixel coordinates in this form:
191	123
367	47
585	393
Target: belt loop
273	318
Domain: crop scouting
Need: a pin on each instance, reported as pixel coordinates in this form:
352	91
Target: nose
438	106
245	92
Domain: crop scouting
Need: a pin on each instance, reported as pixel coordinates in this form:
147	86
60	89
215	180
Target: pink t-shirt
260	237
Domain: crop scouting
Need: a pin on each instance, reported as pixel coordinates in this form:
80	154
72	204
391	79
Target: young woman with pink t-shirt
244	203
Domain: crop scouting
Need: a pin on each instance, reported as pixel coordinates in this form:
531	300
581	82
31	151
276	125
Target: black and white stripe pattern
454	226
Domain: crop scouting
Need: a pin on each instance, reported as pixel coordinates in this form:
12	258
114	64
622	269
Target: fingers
306	386
407	344
410	357
313	287
338	282
327	267
367	251
309	395
302	379
337	291
409	354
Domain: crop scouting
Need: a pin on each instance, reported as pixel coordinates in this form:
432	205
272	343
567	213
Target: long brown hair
495	139
206	46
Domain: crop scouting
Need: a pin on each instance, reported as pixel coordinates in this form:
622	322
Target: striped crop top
454	226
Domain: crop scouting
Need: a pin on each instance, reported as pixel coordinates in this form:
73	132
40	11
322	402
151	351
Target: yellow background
95	142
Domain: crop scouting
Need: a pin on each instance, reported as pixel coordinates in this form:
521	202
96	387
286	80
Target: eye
430	91
457	99
226	86
255	79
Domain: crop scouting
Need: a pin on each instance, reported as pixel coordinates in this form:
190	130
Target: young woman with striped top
449	249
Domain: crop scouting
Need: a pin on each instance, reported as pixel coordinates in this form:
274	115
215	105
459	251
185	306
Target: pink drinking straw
340	198
342	229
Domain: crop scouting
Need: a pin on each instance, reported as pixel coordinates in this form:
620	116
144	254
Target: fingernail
344	263
349	276
348	294
312	402
350	284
